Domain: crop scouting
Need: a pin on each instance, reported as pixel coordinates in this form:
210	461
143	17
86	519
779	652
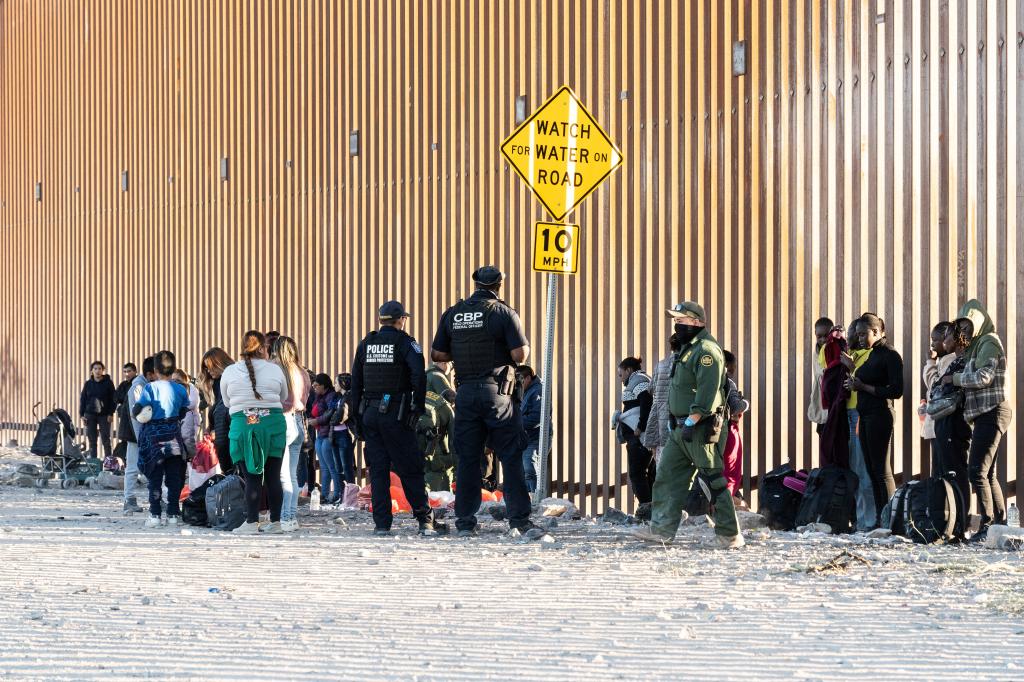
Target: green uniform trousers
439	469
681	463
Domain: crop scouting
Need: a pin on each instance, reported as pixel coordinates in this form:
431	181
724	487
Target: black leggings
641	469
988	432
949	450
254	486
875	430
98	425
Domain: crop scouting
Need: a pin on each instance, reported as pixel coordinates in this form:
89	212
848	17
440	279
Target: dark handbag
945	399
944	405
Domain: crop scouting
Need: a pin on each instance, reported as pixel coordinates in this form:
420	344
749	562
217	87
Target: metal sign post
545	403
563	155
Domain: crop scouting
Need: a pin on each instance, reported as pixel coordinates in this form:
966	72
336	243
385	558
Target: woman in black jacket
218	422
96	407
878	382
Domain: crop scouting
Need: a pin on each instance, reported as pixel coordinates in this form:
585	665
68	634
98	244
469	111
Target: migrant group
272	423
857	377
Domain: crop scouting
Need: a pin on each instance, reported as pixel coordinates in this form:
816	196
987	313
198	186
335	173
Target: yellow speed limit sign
556	248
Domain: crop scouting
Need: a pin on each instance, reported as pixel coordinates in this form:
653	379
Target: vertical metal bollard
545	405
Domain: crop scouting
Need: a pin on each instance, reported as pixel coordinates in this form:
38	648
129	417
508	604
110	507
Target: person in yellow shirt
865	499
816	413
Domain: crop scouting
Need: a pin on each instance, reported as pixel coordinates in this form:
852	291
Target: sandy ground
88	593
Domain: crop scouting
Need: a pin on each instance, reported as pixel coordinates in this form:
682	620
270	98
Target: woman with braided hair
255	390
952	433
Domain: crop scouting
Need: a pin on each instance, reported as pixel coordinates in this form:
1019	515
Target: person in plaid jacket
986	410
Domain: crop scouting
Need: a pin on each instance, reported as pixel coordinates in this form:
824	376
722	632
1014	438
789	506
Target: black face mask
687	332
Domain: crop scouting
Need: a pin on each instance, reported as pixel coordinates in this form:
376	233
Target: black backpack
778	504
831	497
932	510
193	509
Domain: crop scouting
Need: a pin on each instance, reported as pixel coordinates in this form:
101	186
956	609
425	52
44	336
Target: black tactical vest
473	347
384	368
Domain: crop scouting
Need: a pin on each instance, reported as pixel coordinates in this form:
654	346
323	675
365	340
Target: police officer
485	340
387	394
696	401
432	432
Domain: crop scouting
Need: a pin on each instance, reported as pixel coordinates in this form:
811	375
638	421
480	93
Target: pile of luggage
925	511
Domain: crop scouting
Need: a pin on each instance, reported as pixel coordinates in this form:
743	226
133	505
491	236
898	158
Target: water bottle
1013	516
314	501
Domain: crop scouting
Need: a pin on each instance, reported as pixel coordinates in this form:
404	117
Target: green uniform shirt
437	381
698	378
438	414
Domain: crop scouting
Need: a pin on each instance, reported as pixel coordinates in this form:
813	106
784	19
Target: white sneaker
727	542
290	526
171	521
153	522
247	529
272	528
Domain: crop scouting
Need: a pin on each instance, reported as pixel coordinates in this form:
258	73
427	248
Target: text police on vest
381	352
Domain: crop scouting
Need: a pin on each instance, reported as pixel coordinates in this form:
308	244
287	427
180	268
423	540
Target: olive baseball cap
687	309
392	310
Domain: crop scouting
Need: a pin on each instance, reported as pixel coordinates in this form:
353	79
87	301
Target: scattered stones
996	534
535	534
815	528
554	506
615	517
749	520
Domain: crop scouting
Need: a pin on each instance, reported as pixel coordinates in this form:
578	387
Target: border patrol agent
485	340
432	432
696	400
387	394
439	378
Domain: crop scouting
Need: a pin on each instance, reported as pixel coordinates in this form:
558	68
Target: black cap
392	310
488	276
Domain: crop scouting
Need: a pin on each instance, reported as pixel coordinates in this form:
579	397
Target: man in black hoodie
96	407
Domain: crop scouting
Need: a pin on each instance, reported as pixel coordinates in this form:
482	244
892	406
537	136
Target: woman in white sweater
254	390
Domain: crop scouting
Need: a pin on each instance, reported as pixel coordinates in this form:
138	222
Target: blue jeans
289	468
531	464
344	450
331	487
131	470
865	496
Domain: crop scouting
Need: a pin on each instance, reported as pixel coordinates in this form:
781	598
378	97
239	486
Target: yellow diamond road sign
562	153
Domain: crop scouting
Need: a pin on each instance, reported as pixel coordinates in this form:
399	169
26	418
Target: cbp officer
485	340
387	394
696	401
